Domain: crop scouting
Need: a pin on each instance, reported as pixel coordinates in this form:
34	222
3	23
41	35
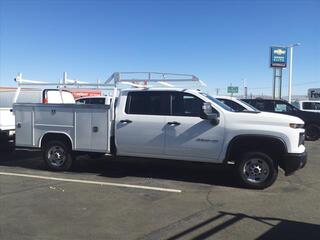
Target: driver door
187	135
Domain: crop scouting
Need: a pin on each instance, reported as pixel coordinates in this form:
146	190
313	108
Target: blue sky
222	42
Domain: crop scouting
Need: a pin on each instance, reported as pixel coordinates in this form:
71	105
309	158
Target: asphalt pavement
131	198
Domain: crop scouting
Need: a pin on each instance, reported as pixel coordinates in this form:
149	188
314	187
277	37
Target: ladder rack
133	79
142	79
137	79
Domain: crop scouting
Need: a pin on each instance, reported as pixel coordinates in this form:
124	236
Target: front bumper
291	162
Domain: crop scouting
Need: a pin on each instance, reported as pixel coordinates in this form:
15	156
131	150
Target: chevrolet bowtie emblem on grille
279	51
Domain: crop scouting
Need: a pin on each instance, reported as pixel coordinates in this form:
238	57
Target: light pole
290	70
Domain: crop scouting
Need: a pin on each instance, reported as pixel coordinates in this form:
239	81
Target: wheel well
273	147
56	137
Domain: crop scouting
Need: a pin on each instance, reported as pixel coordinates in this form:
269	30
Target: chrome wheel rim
256	170
56	156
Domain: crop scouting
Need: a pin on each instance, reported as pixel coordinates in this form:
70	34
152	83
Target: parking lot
152	199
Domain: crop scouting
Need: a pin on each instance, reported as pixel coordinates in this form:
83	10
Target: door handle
126	121
174	123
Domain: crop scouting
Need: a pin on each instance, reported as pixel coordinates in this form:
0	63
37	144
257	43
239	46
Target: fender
250	137
57	133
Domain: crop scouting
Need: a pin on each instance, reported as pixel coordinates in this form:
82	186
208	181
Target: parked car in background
7	121
236	104
308	105
311	119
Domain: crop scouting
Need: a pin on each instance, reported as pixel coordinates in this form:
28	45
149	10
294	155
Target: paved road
210	205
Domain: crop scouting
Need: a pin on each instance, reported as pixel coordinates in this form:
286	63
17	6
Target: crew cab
311	119
166	123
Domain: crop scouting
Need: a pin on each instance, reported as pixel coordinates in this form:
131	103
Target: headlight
296	125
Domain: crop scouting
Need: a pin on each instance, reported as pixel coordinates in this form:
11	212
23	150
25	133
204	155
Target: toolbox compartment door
24	126
92	128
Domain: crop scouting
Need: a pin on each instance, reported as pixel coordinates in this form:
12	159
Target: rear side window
97	101
92	101
54	96
148	103
185	104
82	101
267	106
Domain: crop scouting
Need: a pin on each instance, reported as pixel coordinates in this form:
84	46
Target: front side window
283	107
185	104
280	107
148	103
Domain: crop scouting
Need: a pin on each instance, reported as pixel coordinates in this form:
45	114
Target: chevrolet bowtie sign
278	57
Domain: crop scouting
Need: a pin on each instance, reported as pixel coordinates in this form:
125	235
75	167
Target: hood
282	117
268	118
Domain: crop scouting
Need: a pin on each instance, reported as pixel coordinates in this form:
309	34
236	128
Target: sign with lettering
278	57
314	93
232	89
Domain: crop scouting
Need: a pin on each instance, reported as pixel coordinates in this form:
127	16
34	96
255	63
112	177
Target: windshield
216	101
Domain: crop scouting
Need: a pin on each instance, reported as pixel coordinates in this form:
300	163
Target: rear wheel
257	170
312	132
57	156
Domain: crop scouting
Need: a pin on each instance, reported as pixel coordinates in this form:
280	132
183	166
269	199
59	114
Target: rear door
188	136
140	122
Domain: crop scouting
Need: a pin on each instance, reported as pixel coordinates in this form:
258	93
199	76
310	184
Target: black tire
312	132
257	170
57	156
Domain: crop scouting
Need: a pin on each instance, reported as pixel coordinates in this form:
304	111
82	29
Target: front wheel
57	156
257	170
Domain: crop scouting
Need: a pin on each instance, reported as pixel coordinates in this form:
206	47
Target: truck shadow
277	228
213	174
9	155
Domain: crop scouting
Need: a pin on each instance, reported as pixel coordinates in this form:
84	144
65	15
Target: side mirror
209	114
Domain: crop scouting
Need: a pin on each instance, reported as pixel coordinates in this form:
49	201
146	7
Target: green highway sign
232	89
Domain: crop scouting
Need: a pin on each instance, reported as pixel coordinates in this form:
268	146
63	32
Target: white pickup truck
166	123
